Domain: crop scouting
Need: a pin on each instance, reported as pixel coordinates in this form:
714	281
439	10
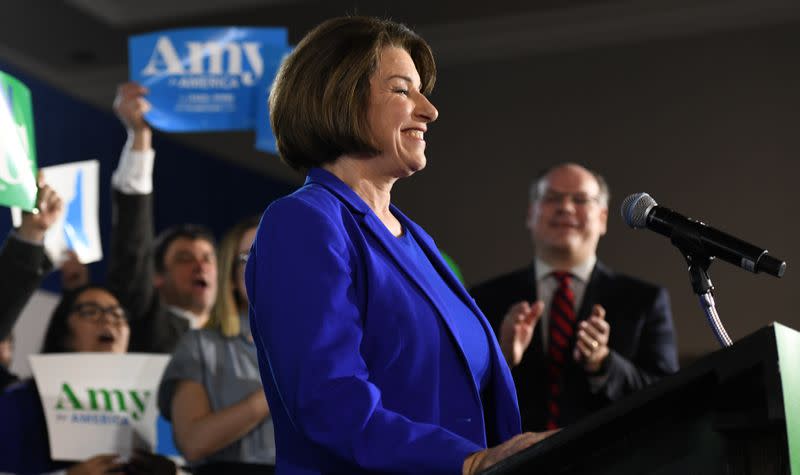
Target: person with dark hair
373	356
211	389
88	318
169	283
24	264
600	335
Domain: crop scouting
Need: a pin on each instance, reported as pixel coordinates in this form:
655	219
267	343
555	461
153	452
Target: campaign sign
265	140
78	228
98	403
203	79
17	145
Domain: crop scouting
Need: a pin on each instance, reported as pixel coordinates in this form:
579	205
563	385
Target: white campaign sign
77	184
98	403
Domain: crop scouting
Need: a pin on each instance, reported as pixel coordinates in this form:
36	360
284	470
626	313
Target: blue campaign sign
74	227
265	141
203	79
77	184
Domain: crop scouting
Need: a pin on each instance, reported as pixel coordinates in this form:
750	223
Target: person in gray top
211	389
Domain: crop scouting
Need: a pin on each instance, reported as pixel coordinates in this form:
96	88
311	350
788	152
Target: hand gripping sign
203	79
109	409
17	145
78	228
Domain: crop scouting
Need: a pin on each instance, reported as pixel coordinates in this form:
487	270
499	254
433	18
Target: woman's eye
402	91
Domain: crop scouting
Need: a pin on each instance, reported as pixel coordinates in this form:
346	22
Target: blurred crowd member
167	284
602	335
23	265
87	319
211	389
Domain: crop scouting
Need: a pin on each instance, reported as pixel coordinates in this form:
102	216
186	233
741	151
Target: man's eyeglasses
577	199
92	311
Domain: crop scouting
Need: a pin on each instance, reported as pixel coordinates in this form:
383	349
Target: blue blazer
356	375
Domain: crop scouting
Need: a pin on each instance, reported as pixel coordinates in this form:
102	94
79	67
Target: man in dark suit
577	335
167	285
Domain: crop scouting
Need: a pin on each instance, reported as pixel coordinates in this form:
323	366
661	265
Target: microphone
640	210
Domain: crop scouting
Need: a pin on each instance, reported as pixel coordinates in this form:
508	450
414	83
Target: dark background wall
707	125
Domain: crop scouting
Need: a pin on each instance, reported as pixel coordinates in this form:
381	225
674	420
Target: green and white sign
98	403
17	145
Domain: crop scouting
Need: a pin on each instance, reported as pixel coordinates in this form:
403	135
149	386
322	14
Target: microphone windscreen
635	208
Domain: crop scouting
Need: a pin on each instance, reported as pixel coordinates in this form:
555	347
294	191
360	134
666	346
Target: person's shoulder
628	280
19	393
203	336
628	284
191	340
310	200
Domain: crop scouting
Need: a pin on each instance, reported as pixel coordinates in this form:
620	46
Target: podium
735	411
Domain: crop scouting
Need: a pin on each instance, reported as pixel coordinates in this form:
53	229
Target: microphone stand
699	261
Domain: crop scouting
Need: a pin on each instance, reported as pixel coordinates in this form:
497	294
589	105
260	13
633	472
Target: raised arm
130	267
23	263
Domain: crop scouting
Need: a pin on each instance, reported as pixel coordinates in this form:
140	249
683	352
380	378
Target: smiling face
97	323
398	113
568	216
189	279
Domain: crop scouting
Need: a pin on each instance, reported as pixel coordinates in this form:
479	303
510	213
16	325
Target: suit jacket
154	327
23	266
356	373
642	341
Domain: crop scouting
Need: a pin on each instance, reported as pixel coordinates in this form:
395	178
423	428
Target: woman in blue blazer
373	356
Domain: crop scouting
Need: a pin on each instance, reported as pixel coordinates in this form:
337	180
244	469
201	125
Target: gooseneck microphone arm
699	262
699	244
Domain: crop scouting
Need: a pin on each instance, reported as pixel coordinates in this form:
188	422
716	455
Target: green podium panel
789	364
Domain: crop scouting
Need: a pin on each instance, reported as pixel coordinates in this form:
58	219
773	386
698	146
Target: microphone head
635	209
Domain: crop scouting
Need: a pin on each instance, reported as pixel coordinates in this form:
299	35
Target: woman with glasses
211	389
87	319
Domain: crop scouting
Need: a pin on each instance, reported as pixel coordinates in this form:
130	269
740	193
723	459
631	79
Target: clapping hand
516	331
591	344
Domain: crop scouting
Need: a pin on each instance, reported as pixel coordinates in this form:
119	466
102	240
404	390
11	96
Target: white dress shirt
547	284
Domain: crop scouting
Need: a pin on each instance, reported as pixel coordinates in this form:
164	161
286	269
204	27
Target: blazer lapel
536	348
594	290
392	247
509	423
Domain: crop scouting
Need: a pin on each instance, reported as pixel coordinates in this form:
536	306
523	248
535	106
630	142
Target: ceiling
80	46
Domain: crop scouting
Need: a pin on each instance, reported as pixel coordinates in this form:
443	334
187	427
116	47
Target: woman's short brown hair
318	103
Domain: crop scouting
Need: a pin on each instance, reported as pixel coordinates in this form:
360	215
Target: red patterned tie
562	330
